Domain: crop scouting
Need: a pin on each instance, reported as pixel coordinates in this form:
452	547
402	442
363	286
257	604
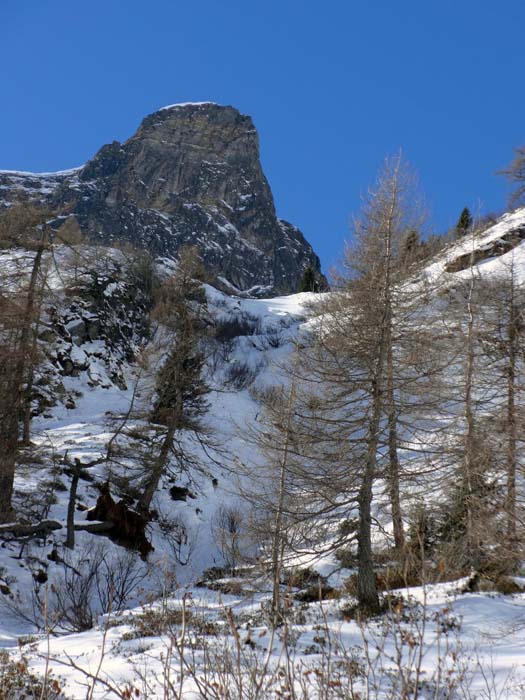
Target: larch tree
268	483
358	366
379	272
20	309
501	339
470	393
515	174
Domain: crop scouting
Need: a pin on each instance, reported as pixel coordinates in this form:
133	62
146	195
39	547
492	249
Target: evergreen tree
410	246
309	282
464	222
180	388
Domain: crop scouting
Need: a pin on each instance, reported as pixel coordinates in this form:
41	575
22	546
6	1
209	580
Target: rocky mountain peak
190	175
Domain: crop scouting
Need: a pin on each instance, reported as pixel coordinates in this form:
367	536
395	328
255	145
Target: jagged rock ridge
190	175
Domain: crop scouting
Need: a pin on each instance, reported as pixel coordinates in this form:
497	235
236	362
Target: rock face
190	175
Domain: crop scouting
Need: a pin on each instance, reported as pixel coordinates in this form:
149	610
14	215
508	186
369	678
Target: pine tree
180	400
309	282
410	247
464	222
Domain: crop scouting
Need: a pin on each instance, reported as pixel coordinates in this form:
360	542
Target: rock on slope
190	175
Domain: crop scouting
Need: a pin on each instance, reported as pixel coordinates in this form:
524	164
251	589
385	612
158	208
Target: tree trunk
8	454
7	477
25	369
70	538
366	578
470	476
511	427
387	358
393	458
278	539
157	470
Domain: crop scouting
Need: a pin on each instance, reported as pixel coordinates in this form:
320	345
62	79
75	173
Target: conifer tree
501	340
180	400
270	490
467	529
309	282
464	222
410	246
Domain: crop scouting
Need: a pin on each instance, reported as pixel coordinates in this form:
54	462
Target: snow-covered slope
491	250
97	385
258	335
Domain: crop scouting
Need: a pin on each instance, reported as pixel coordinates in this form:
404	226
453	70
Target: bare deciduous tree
359	360
515	174
20	308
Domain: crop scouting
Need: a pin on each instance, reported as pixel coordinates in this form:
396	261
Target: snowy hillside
90	407
492	250
157	630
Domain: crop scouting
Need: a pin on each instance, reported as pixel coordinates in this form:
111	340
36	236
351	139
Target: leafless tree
227	530
515	174
501	340
358	366
20	308
271	484
472	393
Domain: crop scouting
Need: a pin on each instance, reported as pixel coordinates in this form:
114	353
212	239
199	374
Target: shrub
229	535
394	577
17	682
346	557
74	596
506	585
153	623
240	375
234	327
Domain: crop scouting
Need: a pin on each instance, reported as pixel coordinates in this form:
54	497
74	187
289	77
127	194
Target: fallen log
30	529
99	526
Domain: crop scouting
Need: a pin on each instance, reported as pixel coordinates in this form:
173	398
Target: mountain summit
190	175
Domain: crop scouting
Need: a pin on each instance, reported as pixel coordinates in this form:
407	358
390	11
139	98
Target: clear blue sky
332	86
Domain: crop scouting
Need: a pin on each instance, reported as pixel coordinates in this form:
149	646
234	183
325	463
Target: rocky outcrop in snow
190	175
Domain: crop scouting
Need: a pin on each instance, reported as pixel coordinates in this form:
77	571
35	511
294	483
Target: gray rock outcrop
191	175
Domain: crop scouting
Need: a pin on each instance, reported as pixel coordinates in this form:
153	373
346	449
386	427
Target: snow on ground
58	173
179	105
83	432
494	265
488	628
482	632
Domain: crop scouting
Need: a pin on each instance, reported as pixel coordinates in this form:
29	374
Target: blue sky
332	86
